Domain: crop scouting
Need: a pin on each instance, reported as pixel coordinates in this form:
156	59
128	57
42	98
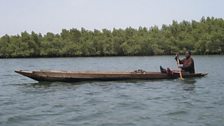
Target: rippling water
192	102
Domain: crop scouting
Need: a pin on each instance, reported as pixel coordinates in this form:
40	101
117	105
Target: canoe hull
70	76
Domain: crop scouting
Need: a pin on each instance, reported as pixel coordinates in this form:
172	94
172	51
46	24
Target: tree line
201	37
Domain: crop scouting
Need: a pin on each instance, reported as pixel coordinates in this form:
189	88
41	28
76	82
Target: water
192	102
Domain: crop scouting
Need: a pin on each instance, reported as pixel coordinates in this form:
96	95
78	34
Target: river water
192	102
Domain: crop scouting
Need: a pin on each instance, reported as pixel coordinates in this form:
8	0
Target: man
188	64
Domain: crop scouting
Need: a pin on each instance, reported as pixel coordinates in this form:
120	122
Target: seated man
188	64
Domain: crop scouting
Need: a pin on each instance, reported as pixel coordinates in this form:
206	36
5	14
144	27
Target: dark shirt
188	65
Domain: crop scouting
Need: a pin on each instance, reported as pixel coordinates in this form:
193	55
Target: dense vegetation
202	37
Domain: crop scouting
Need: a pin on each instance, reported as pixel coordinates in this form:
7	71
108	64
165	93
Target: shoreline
104	56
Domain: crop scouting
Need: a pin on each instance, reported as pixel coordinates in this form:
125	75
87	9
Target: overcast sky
44	16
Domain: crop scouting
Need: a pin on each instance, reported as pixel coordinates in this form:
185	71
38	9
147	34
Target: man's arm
177	58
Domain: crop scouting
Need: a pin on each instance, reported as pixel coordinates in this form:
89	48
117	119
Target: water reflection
188	87
48	86
189	81
189	84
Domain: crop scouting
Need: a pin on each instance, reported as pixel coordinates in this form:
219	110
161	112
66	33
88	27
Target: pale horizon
43	16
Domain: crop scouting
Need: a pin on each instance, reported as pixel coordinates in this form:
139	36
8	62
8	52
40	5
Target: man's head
188	54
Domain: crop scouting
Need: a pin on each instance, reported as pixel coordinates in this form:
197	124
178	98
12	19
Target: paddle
178	62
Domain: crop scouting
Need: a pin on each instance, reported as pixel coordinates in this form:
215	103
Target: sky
42	16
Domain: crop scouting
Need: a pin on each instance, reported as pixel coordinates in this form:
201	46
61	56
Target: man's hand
177	56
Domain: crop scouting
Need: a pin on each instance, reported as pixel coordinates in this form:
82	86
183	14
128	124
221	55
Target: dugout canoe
76	76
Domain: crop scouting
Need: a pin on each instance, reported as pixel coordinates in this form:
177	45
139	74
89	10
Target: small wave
181	112
117	124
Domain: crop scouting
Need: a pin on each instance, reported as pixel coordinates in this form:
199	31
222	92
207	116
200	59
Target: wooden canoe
72	76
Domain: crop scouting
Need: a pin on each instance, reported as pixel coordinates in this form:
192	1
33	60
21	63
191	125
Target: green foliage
202	37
